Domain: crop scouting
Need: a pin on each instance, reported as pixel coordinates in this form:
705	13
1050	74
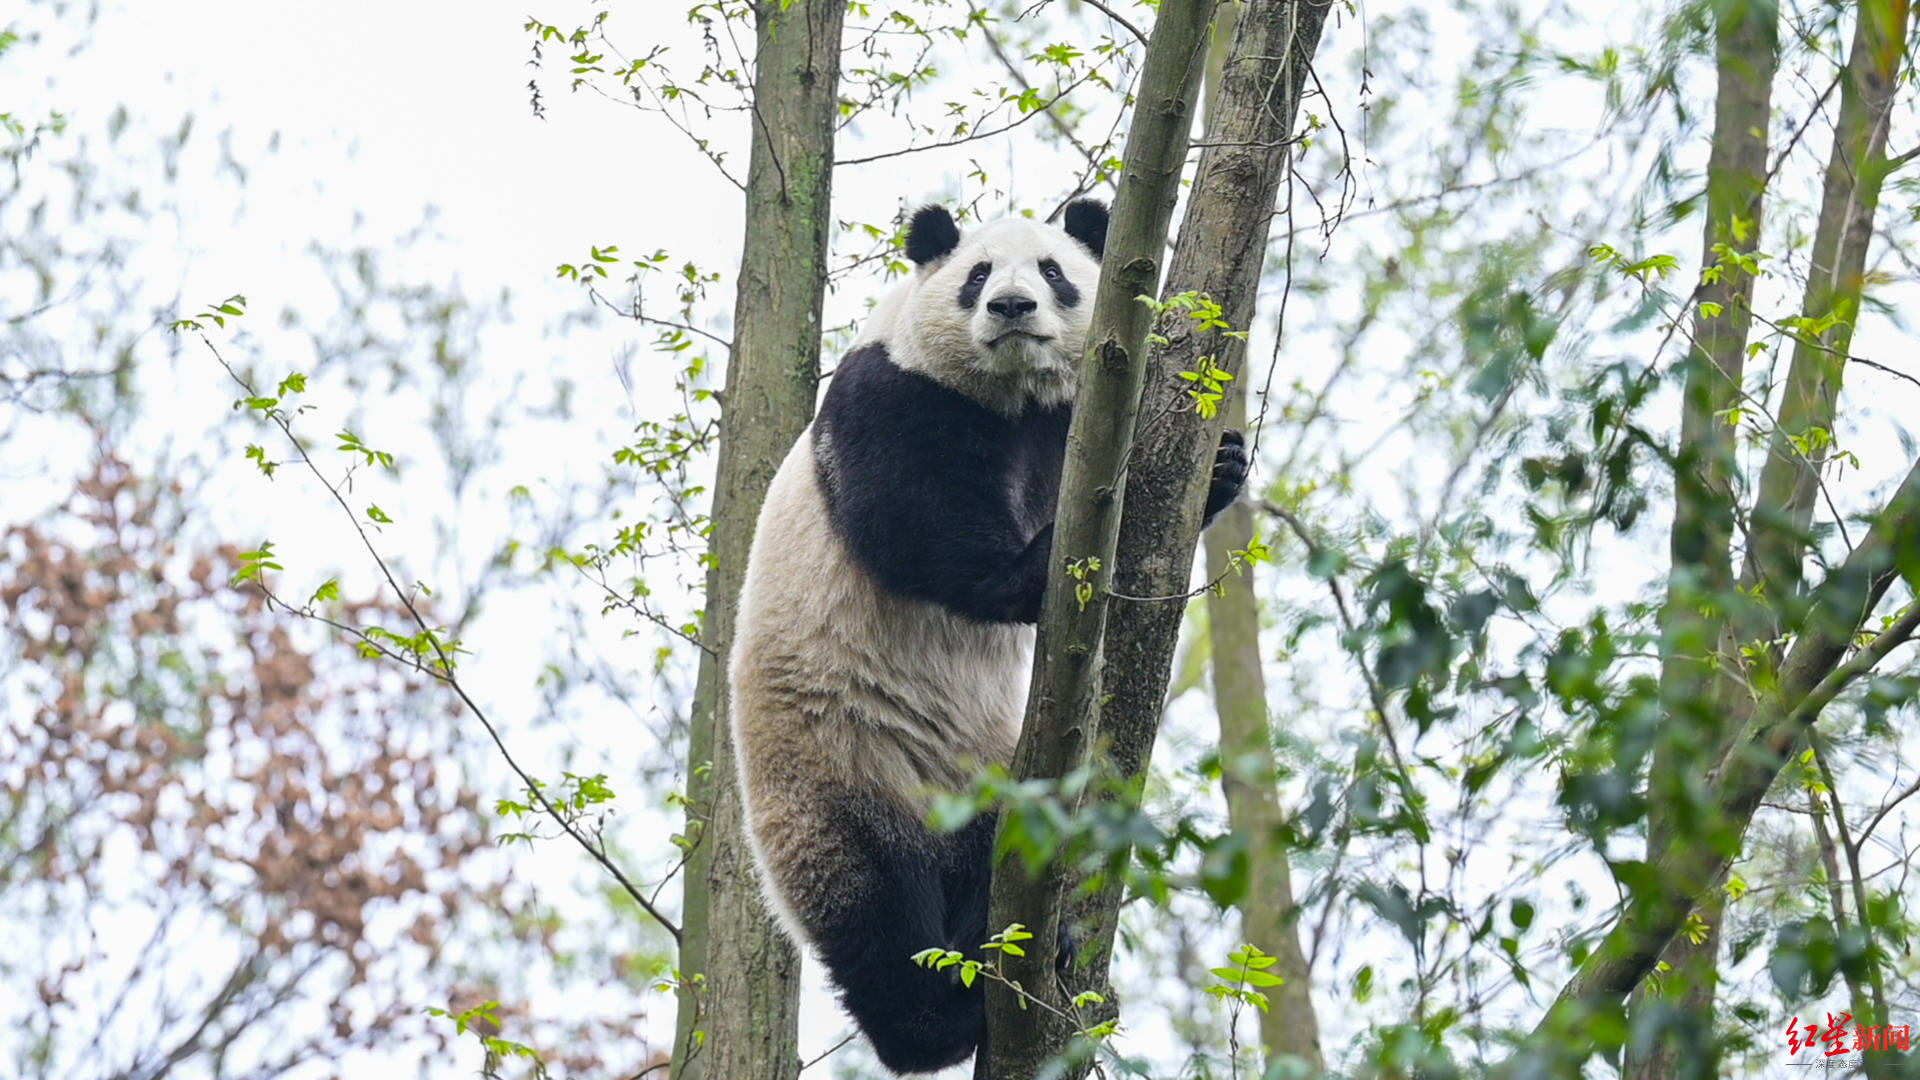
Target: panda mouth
1011	334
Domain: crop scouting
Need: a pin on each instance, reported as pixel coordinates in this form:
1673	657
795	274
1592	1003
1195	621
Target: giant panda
885	629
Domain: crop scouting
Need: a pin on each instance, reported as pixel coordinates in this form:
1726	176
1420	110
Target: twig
636	314
1060	126
823	1054
443	662
972	136
1375	693
1816	343
614	597
1887	808
1116	17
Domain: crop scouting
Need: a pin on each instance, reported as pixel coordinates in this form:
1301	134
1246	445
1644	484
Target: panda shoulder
878	415
868	385
880	321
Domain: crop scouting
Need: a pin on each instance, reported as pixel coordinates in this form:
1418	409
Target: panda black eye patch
976	281
1063	289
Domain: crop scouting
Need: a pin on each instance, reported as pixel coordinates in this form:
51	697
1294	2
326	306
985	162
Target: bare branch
1100	6
443	664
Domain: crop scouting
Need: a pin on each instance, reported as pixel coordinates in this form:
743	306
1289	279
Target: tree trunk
1065	689
1269	918
739	998
1220	253
1856	170
1705	711
1824	621
1810	676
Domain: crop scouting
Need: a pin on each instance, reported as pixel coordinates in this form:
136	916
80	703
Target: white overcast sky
381	110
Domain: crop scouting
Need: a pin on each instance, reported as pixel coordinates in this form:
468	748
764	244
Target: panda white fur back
884	638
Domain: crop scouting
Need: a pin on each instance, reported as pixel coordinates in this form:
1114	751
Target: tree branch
439	665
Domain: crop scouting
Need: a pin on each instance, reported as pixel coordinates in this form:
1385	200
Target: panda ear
931	235
1086	222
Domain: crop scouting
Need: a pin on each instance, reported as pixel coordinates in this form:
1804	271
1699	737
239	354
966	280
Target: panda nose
1011	306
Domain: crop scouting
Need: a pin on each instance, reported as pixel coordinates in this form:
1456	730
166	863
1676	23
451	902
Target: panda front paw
1069	951
1230	464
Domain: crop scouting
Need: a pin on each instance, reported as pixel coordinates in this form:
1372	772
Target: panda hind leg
969	887
894	889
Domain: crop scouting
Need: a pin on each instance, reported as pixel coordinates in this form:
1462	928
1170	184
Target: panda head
999	312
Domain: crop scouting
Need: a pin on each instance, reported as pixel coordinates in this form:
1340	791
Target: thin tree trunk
1856	170
1220	253
1815	670
1706	710
1269	918
1065	689
740	977
1869	998
1711	710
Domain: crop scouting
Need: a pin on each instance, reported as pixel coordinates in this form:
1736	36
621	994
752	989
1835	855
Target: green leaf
1521	912
253	563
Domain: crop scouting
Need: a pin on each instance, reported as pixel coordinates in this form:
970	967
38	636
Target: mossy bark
740	1018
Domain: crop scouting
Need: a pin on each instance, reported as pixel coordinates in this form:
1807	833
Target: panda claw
1230	465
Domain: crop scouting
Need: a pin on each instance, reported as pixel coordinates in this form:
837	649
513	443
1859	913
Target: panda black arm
922	485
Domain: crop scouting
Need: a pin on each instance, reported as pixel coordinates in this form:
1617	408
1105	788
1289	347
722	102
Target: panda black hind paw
1069	950
1230	464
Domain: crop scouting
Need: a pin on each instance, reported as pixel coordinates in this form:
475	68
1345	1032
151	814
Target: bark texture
1067	663
1269	918
1220	253
740	1019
